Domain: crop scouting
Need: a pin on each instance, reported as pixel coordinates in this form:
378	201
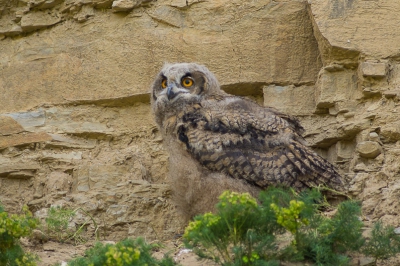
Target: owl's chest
185	118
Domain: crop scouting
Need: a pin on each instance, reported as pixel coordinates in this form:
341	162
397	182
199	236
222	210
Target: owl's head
178	85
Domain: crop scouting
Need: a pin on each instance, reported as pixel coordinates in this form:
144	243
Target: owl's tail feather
313	170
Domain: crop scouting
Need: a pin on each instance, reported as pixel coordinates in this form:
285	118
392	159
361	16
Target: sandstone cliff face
76	127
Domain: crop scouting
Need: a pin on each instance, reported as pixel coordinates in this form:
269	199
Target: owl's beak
170	92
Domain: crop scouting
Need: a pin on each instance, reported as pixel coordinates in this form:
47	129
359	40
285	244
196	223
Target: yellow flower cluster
208	220
234	198
289	217
193	226
27	260
14	227
17	225
119	256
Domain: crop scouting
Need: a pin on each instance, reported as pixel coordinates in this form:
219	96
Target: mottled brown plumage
248	145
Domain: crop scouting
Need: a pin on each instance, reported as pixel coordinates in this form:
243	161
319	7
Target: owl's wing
257	144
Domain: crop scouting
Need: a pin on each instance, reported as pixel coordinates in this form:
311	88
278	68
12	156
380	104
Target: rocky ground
51	253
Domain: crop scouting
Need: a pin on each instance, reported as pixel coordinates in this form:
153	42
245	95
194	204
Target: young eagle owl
217	141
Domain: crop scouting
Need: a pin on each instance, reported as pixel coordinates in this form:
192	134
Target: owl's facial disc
173	91
185	85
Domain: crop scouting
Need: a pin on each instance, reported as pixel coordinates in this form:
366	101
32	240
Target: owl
217	141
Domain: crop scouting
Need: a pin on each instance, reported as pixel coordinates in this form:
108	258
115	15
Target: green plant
327	241
286	226
57	222
57	225
125	253
12	228
289	217
384	242
238	234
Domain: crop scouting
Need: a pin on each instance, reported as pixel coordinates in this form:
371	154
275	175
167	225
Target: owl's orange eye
164	83
187	82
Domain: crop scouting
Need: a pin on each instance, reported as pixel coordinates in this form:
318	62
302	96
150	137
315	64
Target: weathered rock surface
97	60
38	20
369	149
75	120
350	28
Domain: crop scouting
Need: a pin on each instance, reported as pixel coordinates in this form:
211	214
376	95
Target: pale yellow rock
345	150
37	20
19	170
372	69
61	157
369	149
390	132
101	4
178	3
10	29
352	27
123	5
366	261
23	139
49	4
333	87
357	183
290	99
9	126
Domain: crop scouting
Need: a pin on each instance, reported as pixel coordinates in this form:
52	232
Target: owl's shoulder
245	108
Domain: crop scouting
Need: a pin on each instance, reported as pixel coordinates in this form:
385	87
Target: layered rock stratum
76	127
